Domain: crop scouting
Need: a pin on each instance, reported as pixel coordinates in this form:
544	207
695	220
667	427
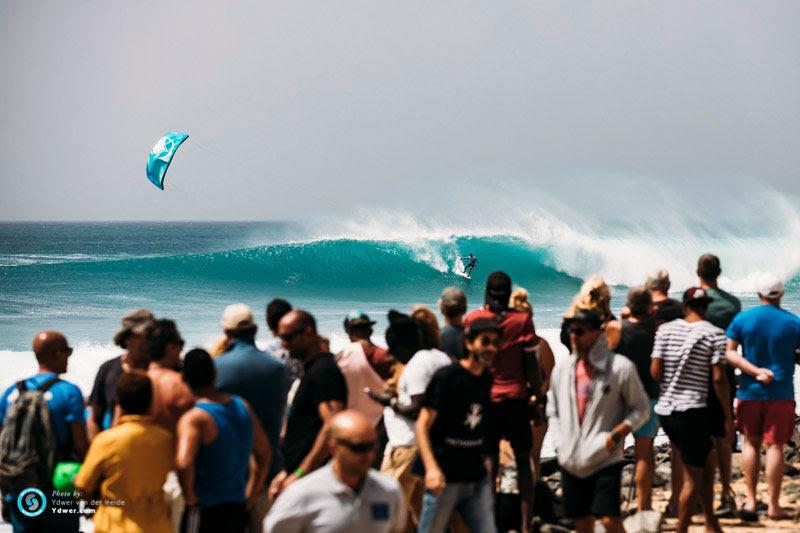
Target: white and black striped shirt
688	351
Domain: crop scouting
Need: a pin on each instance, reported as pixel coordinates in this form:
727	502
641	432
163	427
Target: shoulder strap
21	387
47	384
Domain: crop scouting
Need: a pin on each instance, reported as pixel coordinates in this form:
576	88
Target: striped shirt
688	351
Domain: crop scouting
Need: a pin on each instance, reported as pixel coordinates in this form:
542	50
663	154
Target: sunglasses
67	350
288	337
486	340
577	331
358	447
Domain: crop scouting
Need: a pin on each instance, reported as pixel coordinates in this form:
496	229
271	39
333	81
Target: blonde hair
519	301
594	294
428	326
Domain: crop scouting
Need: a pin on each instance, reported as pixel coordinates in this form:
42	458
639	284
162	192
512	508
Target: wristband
299	472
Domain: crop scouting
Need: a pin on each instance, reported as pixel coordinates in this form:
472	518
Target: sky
302	108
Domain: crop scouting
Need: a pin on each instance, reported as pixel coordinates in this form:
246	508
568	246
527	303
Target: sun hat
237	317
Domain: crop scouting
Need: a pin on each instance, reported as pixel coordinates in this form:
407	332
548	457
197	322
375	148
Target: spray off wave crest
623	253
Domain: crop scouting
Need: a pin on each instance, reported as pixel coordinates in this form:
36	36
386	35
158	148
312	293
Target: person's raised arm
434	477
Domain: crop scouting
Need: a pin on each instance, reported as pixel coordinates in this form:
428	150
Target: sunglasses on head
358	447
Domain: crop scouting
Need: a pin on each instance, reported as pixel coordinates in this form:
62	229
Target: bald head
297	330
352	426
52	350
298	319
353	445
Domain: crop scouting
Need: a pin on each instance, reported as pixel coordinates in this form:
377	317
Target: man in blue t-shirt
769	337
65	402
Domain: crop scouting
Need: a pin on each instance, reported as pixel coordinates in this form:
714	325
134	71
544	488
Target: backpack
28	441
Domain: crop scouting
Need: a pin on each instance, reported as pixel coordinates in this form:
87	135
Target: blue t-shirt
64	399
769	337
260	379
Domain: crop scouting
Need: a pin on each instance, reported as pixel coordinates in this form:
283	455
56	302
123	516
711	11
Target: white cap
770	287
237	316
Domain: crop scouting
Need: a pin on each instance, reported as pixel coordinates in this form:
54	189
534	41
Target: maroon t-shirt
507	367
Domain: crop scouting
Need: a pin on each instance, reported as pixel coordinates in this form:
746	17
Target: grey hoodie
617	395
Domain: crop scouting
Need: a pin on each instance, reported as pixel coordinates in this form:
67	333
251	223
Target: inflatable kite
161	156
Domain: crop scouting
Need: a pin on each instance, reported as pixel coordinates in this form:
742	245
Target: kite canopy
161	156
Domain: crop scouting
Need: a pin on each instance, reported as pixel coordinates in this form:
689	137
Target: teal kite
161	156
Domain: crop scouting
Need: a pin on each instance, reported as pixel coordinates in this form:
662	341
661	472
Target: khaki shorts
397	462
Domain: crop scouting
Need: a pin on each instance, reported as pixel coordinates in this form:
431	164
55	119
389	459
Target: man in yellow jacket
127	465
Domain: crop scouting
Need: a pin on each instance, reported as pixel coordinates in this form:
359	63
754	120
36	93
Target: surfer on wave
469	265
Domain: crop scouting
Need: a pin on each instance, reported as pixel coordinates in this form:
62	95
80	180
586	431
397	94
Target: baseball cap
481	325
590	317
236	317
770	287
132	320
696	295
357	317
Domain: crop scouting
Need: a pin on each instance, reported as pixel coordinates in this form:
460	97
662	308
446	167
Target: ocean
80	278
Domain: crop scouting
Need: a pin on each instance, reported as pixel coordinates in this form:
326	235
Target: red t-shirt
583	386
507	367
381	361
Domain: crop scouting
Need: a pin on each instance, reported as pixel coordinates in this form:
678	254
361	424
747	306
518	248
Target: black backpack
28	441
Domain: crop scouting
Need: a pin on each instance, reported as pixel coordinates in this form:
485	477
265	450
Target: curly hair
594	294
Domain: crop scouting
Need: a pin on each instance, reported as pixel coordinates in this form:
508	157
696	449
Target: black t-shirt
104	391
322	382
636	343
458	433
667	310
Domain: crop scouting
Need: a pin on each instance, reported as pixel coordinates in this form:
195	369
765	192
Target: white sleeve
417	375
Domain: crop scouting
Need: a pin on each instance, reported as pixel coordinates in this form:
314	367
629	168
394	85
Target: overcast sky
297	108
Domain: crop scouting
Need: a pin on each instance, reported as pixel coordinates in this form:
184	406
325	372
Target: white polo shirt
320	502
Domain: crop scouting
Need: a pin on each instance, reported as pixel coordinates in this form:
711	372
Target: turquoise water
81	277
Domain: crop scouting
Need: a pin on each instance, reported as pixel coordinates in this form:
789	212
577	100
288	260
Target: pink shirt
583	386
359	374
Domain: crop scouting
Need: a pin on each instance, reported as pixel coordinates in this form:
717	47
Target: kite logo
31	502
164	148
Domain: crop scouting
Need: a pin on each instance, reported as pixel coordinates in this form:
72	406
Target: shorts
230	517
689	431
509	419
596	495
771	421
650	428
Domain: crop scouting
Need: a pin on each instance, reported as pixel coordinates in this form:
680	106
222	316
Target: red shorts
770	420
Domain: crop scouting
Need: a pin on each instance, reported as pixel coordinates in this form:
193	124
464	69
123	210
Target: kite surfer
469	264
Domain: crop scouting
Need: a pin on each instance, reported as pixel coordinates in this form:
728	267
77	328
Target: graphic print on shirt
474	416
